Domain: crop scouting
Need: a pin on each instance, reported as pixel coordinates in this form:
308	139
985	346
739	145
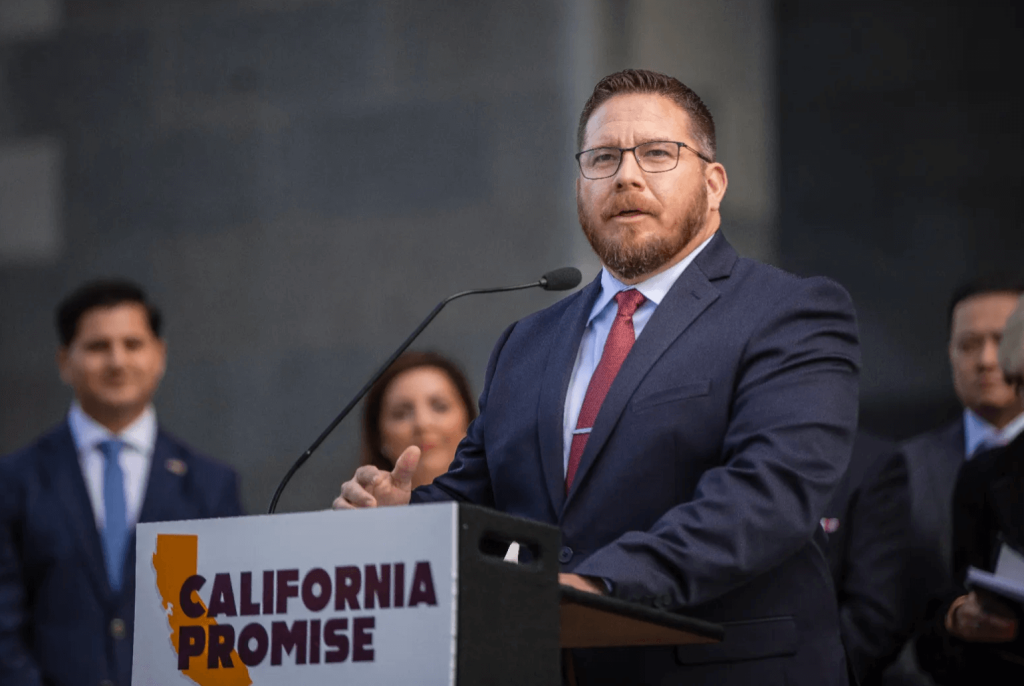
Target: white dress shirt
599	325
139	440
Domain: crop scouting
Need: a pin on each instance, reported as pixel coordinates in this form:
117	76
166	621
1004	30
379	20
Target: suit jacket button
117	628
565	554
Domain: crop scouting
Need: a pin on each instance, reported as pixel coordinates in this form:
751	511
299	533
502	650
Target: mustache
626	202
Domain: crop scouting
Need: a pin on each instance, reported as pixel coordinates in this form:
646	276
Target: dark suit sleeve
468	479
870	587
17	667
787	444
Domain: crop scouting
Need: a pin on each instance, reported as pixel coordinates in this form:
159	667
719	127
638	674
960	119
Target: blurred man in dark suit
70	501
977	314
977	637
868	527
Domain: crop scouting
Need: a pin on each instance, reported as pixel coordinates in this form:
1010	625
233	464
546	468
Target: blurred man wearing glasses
683	419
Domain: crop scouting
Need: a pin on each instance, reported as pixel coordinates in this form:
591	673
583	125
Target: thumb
405	467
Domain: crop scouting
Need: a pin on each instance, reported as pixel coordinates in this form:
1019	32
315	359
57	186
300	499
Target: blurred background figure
977	637
69	502
977	314
868	527
423	399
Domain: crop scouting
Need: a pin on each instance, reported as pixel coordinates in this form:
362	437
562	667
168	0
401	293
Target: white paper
1010	564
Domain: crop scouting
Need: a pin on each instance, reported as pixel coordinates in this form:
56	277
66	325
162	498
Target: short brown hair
370	450
644	81
101	293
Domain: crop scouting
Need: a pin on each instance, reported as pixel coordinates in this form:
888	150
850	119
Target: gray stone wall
901	141
298	182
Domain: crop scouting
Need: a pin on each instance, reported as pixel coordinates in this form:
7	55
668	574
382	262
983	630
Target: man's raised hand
372	487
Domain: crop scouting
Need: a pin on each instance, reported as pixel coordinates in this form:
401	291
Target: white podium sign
316	598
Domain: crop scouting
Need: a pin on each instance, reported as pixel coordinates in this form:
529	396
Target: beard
629	257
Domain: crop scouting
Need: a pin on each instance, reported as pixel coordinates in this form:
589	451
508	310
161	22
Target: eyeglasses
653	157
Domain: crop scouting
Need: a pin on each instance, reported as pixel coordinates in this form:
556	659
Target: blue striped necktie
115	528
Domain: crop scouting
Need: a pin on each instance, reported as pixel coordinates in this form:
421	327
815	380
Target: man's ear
716	181
163	357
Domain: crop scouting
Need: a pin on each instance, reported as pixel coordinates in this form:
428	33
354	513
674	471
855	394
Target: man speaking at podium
683	419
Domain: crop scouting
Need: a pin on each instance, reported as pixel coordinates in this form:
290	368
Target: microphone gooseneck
557	280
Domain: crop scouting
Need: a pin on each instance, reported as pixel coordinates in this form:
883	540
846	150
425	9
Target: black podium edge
643	613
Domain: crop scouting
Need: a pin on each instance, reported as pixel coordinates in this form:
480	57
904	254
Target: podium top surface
593	621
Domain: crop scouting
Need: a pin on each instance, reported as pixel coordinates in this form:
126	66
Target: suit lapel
164	482
945	465
163	485
555	385
954	457
69	485
944	462
162	488
688	298
942	467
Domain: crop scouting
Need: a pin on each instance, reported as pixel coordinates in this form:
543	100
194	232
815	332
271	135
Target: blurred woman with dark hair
423	399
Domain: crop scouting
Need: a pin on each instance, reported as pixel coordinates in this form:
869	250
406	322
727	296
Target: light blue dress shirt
599	324
139	440
979	434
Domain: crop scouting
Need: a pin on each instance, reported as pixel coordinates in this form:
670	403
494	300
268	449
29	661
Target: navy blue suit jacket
707	471
870	521
60	623
933	460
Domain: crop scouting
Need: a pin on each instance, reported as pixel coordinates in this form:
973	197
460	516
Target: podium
417	594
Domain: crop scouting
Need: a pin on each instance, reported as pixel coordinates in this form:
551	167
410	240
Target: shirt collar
980	434
1012	430
654	289
976	432
140	435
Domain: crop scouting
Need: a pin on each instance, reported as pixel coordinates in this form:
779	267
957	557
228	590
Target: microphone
561	279
556	280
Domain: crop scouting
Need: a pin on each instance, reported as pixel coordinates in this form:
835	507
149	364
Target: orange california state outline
176	559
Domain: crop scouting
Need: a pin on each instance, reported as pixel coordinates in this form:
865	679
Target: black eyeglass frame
623	151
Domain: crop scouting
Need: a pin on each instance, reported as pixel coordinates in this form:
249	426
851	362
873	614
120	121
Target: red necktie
620	340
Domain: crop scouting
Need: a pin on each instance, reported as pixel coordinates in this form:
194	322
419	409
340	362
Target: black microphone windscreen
561	279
